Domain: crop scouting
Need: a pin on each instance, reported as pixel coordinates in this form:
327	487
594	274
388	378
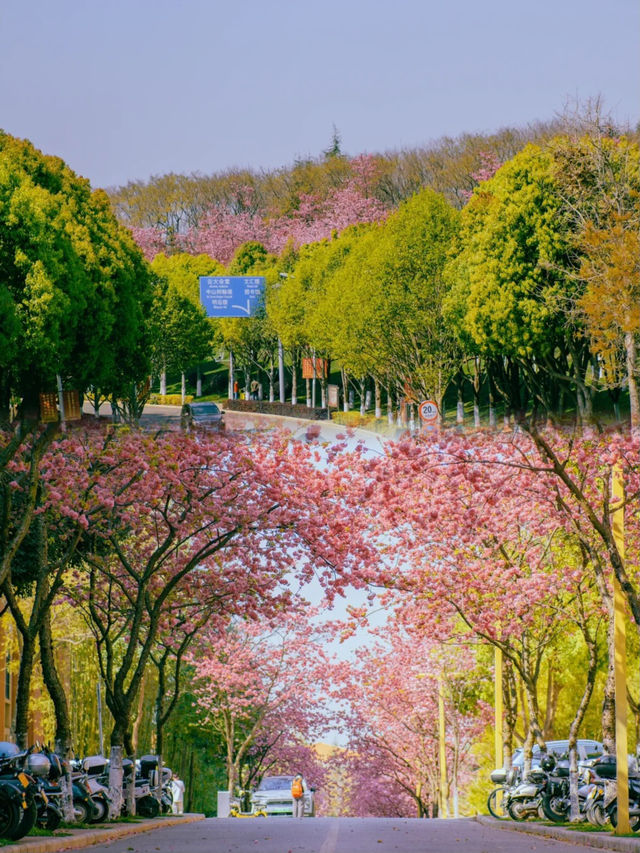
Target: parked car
273	795
207	415
587	750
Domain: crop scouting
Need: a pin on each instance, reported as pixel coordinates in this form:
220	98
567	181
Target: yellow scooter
235	811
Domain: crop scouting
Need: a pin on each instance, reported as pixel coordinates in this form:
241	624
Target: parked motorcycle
524	798
146	803
606	769
49	793
594	806
18	799
95	768
149	770
556	803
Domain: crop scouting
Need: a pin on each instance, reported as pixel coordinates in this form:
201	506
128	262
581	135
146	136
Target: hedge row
169	399
283	409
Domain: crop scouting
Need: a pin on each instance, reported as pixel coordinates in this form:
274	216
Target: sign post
231	296
429	414
333	399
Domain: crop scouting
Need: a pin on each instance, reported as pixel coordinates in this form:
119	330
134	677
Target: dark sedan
207	415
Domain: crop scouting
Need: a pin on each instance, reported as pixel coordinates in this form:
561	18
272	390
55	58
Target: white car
273	795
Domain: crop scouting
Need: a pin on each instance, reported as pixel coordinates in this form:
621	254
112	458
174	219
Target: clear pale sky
124	89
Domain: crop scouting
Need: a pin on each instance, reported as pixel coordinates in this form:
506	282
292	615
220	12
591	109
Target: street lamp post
498	707
282	275
620	664
444	806
281	370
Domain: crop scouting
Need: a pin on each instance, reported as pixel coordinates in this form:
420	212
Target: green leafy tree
407	279
511	282
75	290
183	335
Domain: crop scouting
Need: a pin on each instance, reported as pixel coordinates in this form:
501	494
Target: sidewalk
76	839
599	840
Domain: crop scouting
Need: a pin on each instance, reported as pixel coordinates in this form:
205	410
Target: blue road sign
230	296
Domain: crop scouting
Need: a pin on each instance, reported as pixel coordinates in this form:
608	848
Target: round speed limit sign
428	412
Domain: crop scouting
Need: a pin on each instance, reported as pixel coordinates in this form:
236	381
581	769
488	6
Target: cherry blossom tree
255	684
392	691
490	531
222	229
213	520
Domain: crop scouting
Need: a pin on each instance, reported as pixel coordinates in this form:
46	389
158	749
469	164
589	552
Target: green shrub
169	399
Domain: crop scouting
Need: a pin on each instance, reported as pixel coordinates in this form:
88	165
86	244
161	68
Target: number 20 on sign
428	410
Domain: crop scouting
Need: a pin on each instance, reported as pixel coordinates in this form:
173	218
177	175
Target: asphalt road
335	835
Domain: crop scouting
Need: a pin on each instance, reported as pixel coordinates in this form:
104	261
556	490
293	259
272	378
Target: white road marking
329	844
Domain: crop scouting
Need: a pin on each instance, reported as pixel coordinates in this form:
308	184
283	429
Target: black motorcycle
18	793
48	802
605	768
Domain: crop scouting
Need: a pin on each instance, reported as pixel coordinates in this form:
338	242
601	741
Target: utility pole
620	666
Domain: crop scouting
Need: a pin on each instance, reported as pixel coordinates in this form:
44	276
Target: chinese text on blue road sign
230	296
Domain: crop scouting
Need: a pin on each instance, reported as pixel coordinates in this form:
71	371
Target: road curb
80	838
587	839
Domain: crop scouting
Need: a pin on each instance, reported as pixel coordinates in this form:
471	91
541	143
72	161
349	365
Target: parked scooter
95	768
146	803
84	809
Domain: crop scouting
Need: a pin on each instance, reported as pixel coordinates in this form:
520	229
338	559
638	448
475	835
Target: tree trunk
510	696
131	785
345	390
294	378
55	689
631	356
534	732
27	657
493	420
378	399
460	403
115	782
577	722
136	723
608	699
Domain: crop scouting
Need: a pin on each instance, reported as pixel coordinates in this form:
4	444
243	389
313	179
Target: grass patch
588	827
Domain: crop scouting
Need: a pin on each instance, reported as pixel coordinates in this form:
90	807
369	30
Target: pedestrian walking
297	793
177	789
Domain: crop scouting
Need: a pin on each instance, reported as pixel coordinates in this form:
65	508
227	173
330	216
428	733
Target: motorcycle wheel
496	804
100	810
517	810
634	820
81	812
596	815
10	815
27	821
554	809
148	807
51	819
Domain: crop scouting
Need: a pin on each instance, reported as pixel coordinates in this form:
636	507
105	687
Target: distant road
323	431
336	835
